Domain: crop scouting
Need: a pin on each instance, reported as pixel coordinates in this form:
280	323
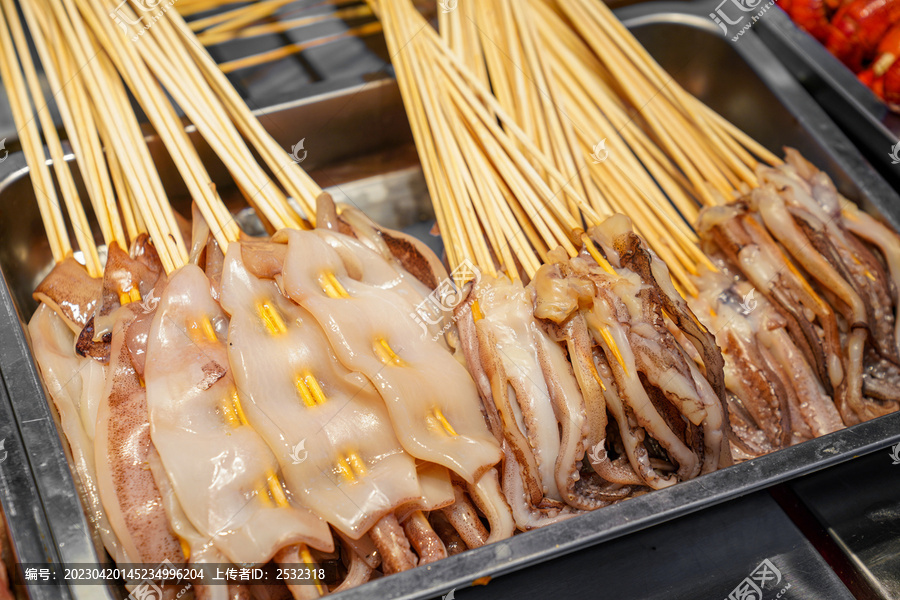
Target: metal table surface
851	513
706	555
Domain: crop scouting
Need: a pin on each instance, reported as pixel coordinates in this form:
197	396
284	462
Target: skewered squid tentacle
508	336
631	252
392	543
424	540
299	554
607	321
451	538
747	246
462	515
358	571
487	494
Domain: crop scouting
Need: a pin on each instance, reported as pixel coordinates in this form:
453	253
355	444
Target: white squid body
217	469
431	398
76	398
338	451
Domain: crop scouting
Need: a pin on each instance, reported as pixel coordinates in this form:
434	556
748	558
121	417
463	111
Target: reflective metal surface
29	531
858	504
746	83
703	556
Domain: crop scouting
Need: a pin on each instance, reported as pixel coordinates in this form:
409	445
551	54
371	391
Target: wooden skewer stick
125	134
298	184
291	49
80	225
29	137
208	38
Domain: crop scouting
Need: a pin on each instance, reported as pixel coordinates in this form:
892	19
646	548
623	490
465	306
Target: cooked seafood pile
862	34
330	394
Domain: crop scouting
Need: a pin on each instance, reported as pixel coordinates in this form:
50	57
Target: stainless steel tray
863	117
746	83
24	518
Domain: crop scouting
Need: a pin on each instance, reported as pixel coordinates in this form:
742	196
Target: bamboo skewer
74	208
125	135
189	89
298	184
578	93
83	132
29	138
291	49
209	38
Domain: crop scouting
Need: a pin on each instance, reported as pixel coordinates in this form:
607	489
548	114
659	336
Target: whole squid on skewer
432	400
230	489
339	455
130	496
